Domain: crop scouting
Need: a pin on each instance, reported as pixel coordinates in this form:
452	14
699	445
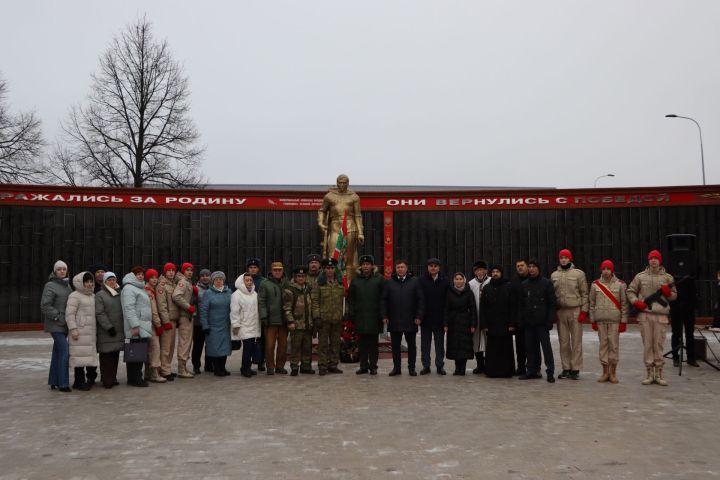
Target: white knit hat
59	264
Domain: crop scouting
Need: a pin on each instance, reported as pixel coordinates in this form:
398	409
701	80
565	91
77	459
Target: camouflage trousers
329	344
300	348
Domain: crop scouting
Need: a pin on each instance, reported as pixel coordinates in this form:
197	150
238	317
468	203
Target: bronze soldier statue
330	217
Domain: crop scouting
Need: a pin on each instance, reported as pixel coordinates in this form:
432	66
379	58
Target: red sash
608	294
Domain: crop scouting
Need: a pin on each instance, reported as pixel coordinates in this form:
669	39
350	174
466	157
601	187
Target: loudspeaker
682	261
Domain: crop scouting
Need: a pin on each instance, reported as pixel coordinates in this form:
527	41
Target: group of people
92	322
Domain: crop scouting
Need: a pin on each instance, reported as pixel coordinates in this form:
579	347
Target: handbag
236	344
135	350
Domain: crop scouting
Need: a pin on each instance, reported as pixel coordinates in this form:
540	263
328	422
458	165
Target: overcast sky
498	93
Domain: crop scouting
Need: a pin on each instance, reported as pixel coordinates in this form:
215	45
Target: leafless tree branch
135	127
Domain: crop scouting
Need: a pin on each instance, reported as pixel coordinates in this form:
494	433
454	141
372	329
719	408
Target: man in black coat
521	274
402	311
434	287
537	317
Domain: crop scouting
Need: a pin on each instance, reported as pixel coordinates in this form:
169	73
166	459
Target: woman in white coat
245	321
80	318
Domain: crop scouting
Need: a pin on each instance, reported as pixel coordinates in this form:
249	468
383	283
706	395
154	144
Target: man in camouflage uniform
313	269
327	315
297	307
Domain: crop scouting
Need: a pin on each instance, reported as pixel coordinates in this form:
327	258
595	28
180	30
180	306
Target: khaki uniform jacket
571	288
646	283
166	307
327	302
153	306
182	296
297	306
602	309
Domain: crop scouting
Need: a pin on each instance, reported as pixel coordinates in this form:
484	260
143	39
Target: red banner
370	201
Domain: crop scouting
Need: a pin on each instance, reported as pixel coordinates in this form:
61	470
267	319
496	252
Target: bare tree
134	128
20	144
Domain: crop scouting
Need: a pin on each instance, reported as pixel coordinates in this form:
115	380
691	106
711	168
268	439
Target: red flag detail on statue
339	252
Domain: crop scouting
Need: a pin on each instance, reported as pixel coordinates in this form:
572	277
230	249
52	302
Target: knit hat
215	275
185	266
169	266
137	269
151	273
98	266
480	264
607	264
655	254
59	264
534	261
204	272
108	275
496	267
565	253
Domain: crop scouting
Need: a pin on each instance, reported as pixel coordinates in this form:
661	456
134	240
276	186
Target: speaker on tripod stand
683	266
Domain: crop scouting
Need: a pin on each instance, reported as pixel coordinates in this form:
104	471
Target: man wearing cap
297	307
571	292
403	308
327	314
521	274
434	287
185	297
481	278
608	314
653	319
364	309
314	269
252	266
270	307
169	315
202	285
537	317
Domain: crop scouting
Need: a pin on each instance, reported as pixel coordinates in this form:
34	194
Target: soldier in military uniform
297	307
313	269
327	314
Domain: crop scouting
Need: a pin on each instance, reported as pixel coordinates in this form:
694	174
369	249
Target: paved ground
348	427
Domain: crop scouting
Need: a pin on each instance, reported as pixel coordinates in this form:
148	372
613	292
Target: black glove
549	326
206	331
112	331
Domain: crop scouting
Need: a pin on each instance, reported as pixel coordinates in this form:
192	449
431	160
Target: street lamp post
602	176
702	154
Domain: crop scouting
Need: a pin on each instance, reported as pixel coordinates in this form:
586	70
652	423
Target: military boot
613	373
605	375
648	376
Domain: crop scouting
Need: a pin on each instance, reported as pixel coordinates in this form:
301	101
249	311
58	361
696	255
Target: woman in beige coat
80	318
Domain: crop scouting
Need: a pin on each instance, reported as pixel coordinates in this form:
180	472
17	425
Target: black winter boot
480	359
